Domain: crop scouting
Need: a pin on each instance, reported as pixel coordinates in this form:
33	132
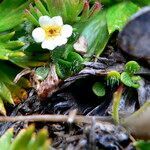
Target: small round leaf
127	80
99	89
132	67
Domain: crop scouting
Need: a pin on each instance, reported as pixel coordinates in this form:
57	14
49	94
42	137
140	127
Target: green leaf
63	68
113	77
41	137
132	67
118	15
68	9
96	34
27	139
22	140
41	7
73	56
5	41
26	61
76	61
107	2
6	37
136	78
34	12
5	93
8	72
42	72
12	44
31	18
127	80
99	89
60	53
9	90
67	61
6	54
11	13
5	139
6	47
141	2
142	145
39	142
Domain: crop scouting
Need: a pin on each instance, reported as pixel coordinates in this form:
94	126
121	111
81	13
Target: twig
54	118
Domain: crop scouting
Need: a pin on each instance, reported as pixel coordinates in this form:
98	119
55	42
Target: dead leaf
81	45
22	73
50	85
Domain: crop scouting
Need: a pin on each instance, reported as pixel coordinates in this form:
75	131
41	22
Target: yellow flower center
52	31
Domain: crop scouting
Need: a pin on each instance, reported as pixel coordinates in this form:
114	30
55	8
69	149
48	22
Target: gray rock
134	39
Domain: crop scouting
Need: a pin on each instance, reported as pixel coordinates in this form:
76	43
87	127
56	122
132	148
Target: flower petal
45	21
57	20
66	31
38	34
60	40
49	44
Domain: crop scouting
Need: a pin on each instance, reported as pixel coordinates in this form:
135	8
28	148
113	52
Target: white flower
52	32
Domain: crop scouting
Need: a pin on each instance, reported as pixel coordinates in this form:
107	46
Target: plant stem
116	101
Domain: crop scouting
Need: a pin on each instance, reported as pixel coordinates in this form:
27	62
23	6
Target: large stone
135	37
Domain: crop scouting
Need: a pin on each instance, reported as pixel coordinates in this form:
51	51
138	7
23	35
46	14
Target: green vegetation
92	26
25	140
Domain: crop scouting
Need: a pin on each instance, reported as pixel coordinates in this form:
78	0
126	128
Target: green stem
116	101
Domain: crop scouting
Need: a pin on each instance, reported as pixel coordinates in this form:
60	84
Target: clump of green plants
26	139
37	33
128	77
37	36
115	79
